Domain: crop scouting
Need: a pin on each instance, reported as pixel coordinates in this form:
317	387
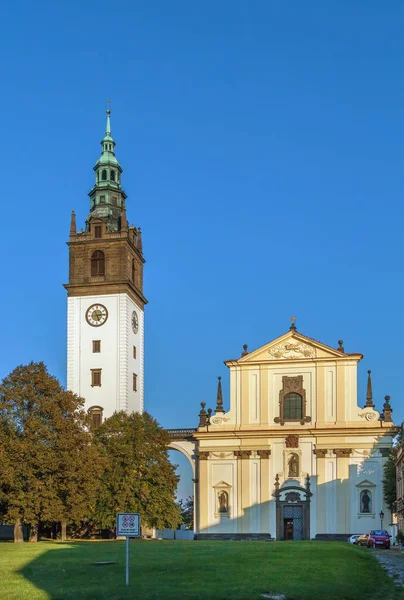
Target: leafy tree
389	471
187	512
49	468
138	476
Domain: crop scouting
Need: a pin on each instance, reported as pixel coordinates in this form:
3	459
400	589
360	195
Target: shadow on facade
345	497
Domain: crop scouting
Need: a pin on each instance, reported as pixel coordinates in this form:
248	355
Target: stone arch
188	448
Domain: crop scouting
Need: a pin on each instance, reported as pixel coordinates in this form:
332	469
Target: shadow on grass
207	570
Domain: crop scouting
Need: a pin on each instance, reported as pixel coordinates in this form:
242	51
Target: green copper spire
107	197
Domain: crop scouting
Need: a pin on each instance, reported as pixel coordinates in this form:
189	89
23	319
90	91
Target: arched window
97	263
133	270
104	174
95	413
293	407
112	175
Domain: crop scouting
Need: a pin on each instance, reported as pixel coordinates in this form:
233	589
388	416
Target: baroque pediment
293	346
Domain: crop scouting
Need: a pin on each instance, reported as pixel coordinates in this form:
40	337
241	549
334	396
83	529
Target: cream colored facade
295	456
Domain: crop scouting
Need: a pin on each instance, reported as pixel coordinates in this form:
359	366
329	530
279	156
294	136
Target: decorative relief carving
369	414
219	420
242	453
292	385
264	453
320	452
292	497
292	441
342	452
385	452
222	454
203	455
292	350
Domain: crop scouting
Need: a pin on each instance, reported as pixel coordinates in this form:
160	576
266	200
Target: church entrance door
288	528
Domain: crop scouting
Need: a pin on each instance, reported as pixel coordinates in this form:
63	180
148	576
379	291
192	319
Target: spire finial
108	125
73	224
219	397
369	394
293	326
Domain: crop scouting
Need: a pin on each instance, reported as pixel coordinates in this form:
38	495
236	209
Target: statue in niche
293	466
365	501
223	502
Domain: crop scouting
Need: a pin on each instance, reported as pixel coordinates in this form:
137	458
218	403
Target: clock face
135	322
96	315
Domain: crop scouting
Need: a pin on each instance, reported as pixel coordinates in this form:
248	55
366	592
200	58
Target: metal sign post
128	525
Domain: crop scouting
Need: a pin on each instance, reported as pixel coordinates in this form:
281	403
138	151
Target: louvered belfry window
97	263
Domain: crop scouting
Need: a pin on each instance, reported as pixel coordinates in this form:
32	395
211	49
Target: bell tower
105	305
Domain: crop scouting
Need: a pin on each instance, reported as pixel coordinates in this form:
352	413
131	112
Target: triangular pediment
292	346
222	485
365	484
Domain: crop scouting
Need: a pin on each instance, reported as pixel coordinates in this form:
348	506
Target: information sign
128	525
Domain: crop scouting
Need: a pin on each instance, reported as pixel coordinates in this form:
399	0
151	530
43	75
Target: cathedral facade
105	306
296	456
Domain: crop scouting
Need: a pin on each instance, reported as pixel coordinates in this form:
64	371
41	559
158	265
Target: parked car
352	539
362	540
378	538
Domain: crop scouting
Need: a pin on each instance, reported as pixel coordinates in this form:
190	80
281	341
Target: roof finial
293	326
341	346
369	394
387	410
73	224
245	351
108	125
219	398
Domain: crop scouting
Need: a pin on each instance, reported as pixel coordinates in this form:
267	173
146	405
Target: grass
169	570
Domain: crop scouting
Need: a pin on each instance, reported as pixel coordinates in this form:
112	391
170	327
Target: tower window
112	175
104	174
97	263
95	377
133	270
97	231
96	345
95	416
134	382
134	351
102	199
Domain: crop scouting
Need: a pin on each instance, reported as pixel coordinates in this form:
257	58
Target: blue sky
262	147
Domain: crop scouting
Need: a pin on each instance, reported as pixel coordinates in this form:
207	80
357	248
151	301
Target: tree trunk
64	527
18	534
33	533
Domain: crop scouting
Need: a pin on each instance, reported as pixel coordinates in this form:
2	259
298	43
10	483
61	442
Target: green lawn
190	570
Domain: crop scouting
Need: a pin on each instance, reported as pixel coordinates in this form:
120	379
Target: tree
389	471
49	468
138	476
187	512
